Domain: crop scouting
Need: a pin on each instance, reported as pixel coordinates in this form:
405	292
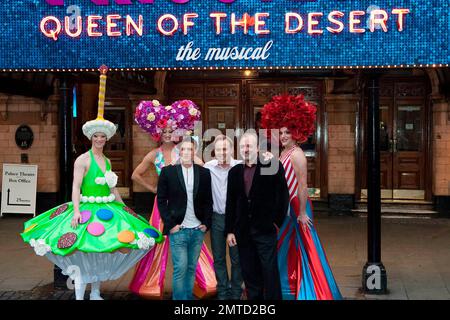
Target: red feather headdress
292	112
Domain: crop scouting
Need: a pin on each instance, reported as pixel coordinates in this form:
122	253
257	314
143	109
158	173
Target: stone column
441	155
341	112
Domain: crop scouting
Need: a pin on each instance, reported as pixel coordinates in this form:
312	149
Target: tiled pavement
415	252
48	293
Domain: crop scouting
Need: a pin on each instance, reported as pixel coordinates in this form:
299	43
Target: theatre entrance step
402	208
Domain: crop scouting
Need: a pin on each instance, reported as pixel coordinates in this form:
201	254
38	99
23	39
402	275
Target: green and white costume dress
110	240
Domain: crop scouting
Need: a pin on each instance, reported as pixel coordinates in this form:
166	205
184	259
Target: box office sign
19	189
163	34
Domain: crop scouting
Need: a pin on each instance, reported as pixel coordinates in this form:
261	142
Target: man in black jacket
257	198
185	204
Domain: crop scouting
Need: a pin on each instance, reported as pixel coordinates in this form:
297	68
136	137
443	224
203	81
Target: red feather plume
292	112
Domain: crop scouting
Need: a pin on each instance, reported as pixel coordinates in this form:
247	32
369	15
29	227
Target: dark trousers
226	288
258	256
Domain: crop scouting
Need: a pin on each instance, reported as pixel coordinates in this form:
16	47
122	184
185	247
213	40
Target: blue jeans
185	246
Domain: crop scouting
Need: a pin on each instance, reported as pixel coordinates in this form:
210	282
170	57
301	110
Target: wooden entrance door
403	141
118	149
219	101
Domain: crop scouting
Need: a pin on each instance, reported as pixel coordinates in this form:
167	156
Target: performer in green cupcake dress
95	237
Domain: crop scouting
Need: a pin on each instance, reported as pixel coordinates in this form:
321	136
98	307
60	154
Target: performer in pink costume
165	124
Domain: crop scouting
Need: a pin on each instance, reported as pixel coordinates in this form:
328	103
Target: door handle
392	145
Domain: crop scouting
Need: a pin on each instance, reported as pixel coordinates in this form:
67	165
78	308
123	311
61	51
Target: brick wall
341	143
142	143
441	149
44	150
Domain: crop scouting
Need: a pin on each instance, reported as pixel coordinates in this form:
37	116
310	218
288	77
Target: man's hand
175	229
276	227
76	219
231	240
267	156
202	227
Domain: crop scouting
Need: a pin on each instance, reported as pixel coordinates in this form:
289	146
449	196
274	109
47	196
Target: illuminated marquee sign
163	34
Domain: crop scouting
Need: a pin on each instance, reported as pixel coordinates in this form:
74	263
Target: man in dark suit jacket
185	204
257	198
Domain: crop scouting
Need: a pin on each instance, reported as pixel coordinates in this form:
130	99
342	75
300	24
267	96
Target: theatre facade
328	51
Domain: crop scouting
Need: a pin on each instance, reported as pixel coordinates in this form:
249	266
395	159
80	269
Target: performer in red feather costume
304	269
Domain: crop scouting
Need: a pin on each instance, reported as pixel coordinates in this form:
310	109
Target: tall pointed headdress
100	124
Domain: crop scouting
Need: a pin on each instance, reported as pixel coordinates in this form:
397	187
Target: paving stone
437	293
16	295
6	295
56	295
25	296
68	295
